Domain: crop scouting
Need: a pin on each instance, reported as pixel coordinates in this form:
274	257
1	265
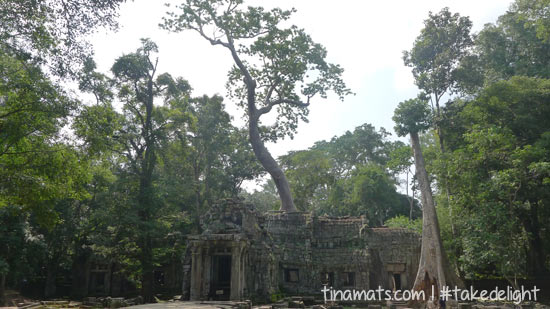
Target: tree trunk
147	278
198	200
49	289
145	242
265	158
260	151
3	290
146	199
80	275
535	254
271	166
433	269
411	199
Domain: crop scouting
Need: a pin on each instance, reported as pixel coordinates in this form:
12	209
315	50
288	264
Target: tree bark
260	151
145	244
198	200
50	288
80	274
270	165
2	290
535	255
412	197
147	278
433	269
146	200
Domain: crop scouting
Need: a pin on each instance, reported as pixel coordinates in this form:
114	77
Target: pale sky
365	37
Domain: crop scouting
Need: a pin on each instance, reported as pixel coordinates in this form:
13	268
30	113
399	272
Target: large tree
504	187
275	67
212	153
413	117
137	135
436	55
511	47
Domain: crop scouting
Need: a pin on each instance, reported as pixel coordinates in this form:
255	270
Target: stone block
242	305
296	304
117	302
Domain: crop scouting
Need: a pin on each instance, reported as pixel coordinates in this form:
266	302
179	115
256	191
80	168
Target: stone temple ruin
244	254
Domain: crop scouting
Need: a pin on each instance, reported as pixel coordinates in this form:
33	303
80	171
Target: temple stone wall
296	253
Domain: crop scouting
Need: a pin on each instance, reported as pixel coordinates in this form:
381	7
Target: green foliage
309	173
277	296
502	193
211	154
412	115
347	176
265	199
54	32
401	158
37	166
404	222
535	14
437	51
514	45
283	66
373	194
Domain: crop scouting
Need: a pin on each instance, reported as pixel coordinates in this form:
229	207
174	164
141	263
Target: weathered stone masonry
244	254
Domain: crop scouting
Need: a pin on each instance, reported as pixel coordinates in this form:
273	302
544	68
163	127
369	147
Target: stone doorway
396	282
221	277
218	266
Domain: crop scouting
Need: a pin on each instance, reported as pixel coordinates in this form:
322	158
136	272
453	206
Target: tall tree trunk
271	166
263	155
411	199
80	274
198	200
535	254
147	278
433	269
145	243
49	288
260	151
146	199
3	290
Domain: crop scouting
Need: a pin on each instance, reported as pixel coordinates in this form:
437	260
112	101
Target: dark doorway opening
327	279
221	277
397	281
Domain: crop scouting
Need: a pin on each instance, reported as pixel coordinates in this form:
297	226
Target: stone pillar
196	273
236	272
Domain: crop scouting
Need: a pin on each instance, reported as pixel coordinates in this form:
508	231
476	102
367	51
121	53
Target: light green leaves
412	115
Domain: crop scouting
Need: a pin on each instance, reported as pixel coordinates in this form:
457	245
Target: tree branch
267	109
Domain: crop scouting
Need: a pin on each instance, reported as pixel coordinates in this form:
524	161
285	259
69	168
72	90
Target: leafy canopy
281	67
443	42
52	31
412	116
